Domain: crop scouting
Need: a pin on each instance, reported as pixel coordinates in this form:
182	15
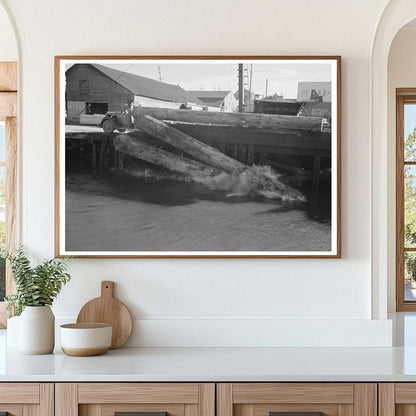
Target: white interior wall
8	46
331	296
401	74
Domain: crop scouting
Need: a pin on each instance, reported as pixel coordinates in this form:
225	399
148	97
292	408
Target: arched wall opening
396	16
401	73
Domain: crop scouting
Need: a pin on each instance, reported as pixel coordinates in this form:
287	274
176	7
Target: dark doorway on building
96	108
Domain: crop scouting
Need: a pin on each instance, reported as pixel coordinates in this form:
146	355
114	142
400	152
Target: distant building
221	100
282	107
314	92
249	98
317	110
95	89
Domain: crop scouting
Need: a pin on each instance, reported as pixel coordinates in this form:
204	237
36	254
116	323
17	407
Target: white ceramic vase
37	330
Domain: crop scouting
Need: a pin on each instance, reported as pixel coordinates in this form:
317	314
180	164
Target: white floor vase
37	330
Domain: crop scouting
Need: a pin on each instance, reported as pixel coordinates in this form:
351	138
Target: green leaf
35	286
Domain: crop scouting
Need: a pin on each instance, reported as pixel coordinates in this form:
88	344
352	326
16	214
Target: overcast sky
282	78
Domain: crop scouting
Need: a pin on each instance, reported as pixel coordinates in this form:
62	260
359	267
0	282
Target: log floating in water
247	120
139	149
212	156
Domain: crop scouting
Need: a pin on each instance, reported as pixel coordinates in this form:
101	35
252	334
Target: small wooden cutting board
107	309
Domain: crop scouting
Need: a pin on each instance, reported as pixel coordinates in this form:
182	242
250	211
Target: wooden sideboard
208	399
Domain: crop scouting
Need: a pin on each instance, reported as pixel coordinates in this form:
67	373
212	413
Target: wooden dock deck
236	138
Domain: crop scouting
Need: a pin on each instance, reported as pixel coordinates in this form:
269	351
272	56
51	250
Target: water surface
118	212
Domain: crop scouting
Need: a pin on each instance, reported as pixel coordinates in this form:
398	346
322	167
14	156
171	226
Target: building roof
210	94
146	87
213	98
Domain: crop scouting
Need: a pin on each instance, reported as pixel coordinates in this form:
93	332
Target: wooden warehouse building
93	89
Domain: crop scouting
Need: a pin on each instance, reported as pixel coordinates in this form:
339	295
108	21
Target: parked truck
114	120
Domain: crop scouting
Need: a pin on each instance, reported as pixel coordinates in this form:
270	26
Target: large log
246	120
264	137
187	144
139	149
212	156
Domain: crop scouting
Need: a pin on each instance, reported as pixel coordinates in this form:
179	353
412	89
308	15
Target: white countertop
215	364
222	364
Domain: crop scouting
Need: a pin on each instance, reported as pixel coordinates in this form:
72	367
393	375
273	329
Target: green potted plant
36	289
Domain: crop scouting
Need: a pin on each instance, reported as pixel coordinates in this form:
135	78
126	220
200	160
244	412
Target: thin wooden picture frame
74	100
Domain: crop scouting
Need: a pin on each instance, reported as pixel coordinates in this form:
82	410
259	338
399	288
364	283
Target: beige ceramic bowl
83	340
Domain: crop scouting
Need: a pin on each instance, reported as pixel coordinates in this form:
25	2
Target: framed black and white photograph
198	156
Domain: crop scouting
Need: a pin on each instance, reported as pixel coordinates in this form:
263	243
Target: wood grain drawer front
405	393
106	399
330	399
19	393
293	393
138	393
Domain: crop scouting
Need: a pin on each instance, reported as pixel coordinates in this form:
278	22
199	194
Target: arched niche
396	14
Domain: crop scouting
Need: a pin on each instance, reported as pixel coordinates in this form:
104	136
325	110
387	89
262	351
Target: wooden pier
92	146
246	138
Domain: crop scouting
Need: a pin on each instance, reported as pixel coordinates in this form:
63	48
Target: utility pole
160	73
267	82
250	101
240	88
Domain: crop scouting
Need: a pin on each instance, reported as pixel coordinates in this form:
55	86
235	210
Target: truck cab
115	120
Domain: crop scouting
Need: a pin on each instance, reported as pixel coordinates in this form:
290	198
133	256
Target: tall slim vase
37	330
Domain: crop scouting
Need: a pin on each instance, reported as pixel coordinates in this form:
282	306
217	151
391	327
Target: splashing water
235	184
242	184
